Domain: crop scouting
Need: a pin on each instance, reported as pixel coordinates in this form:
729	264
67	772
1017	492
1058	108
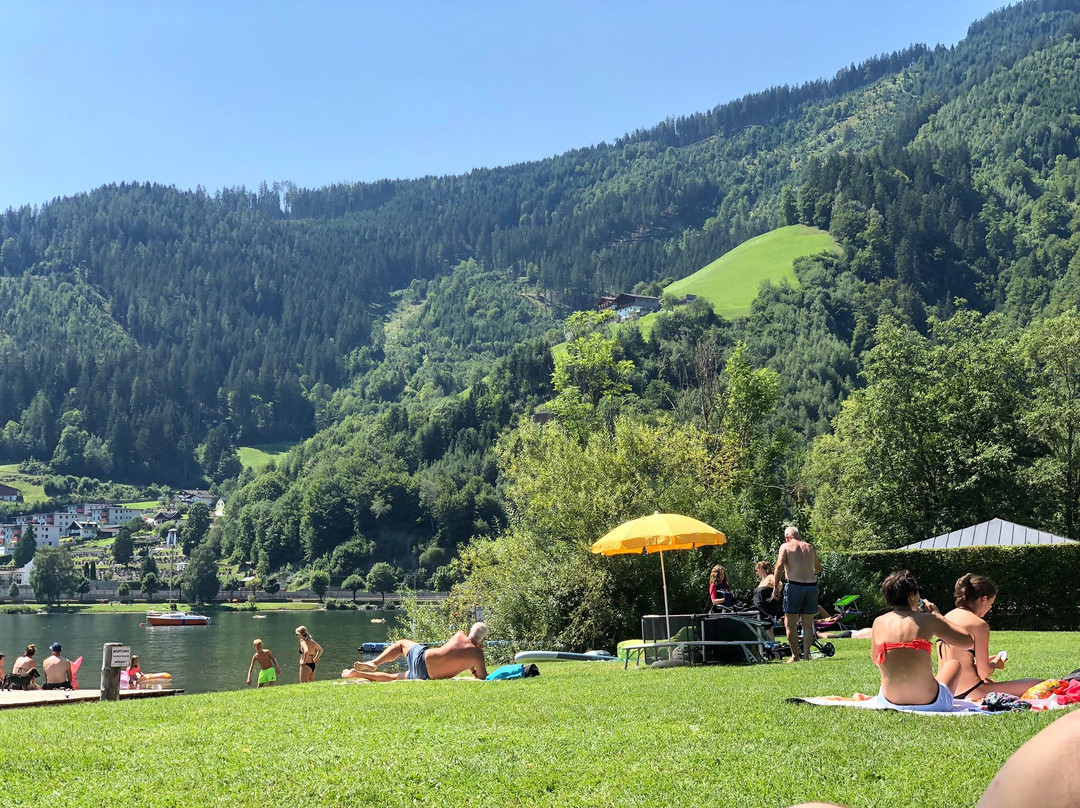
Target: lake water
201	658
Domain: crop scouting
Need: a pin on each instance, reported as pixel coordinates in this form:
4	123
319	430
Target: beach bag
513	672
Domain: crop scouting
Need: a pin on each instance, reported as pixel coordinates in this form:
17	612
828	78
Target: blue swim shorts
415	662
800	598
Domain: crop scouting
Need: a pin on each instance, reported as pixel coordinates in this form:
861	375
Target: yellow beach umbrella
655	534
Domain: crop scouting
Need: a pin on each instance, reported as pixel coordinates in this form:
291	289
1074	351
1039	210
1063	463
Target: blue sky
233	92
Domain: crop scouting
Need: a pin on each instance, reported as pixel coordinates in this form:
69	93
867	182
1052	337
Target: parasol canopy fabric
657	533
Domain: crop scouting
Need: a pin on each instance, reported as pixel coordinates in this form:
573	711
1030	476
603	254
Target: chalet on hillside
161	517
628	306
9	494
190	496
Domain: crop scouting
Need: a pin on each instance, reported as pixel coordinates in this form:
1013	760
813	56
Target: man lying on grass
461	652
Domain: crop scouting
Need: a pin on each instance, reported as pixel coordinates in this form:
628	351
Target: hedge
1038	584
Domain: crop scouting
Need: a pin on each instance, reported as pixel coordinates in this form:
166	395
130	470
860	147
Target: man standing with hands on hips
798	561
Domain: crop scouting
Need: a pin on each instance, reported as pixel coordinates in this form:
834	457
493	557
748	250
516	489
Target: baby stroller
843	620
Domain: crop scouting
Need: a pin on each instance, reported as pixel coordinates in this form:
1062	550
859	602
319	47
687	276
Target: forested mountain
148	331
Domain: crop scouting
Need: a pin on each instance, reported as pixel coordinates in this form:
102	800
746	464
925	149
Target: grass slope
255	457
31	492
731	282
582	734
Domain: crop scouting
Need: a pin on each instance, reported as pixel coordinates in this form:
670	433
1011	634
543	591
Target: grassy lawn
731	282
10	475
582	734
255	457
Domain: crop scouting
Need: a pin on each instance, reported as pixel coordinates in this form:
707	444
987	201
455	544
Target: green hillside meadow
581	734
732	281
31	491
255	457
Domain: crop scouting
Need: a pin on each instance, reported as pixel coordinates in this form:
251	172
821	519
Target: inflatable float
564	656
156	678
372	647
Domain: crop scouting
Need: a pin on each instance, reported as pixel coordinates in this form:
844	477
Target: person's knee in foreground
1045	765
460	653
799	562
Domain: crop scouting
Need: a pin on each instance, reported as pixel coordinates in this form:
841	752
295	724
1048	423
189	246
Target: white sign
120	657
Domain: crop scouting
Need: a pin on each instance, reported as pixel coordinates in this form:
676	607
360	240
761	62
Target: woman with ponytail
968	672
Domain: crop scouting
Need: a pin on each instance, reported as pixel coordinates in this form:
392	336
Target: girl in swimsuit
901	647
310	651
969	671
720	588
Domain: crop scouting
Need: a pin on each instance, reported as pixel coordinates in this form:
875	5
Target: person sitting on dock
460	653
57	670
26	666
268	666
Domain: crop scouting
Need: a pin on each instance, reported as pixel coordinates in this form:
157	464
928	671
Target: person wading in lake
460	653
268	665
310	652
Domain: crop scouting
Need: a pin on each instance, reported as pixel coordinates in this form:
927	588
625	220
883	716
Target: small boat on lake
176	619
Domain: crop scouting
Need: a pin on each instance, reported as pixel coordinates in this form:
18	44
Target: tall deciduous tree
25	547
1051	351
931	444
195	527
200	578
381	578
53	575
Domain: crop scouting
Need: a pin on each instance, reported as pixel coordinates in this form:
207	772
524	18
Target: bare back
57	670
799	560
907	675
454	656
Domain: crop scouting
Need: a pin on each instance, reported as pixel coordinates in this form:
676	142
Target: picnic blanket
961	707
864	702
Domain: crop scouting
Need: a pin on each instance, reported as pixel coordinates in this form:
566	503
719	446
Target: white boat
176	619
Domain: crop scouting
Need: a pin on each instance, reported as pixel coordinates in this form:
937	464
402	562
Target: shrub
1038	585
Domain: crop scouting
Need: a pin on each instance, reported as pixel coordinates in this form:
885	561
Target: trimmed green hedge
1038	585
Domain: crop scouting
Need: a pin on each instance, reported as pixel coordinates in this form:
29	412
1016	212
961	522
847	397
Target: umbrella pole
667	615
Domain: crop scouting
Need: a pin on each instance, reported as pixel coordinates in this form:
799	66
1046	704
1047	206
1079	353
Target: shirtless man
799	562
268	666
461	652
57	670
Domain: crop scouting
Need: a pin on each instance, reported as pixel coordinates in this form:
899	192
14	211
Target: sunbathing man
268	665
460	653
57	670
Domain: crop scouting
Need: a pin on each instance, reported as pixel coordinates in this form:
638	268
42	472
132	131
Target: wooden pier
10	699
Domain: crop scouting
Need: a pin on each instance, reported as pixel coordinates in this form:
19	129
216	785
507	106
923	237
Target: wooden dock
10	699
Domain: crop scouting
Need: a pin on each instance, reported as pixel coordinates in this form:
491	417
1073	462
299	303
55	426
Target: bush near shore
581	734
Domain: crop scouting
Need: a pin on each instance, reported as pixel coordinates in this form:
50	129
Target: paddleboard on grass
564	656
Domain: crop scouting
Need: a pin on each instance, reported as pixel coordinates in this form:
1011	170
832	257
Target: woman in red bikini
968	672
901	647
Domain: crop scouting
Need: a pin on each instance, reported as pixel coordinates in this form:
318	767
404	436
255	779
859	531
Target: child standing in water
268	665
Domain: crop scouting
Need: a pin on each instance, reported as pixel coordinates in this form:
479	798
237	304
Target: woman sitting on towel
901	647
968	671
720	593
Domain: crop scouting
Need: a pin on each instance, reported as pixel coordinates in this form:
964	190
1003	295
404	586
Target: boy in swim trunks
461	652
268	665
